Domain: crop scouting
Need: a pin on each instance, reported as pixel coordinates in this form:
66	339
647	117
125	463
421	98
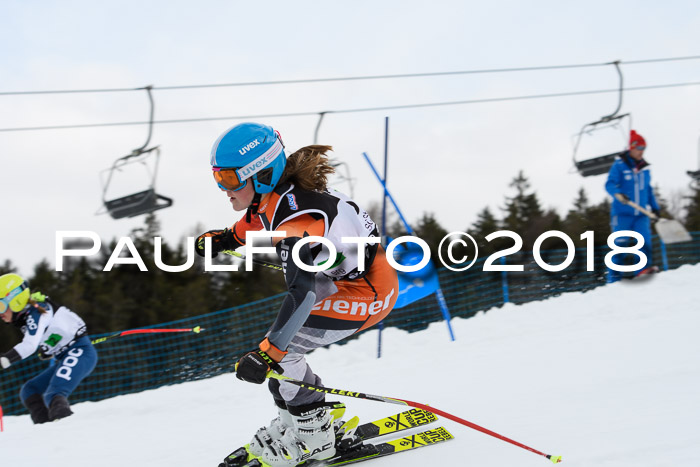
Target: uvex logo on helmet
248	147
255	166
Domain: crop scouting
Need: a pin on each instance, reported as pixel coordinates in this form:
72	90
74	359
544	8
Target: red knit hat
636	140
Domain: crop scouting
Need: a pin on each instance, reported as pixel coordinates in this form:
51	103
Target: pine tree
692	218
430	230
661	201
486	224
584	217
524	215
7	267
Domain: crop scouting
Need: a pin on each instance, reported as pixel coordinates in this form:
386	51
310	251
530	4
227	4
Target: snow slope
605	378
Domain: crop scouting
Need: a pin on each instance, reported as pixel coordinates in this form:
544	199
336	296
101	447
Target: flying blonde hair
309	168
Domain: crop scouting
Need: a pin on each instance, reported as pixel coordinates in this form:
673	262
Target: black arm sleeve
301	294
13	356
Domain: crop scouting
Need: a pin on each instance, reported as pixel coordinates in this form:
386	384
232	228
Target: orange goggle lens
227	179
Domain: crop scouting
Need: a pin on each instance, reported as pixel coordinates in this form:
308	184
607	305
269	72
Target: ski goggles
228	179
236	178
5	301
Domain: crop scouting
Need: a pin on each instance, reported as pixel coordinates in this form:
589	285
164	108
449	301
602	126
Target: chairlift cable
350	78
355	110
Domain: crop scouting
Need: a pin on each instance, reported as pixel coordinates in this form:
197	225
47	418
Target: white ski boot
312	436
273	432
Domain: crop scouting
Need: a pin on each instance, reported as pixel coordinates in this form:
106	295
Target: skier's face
637	153
241	199
7	316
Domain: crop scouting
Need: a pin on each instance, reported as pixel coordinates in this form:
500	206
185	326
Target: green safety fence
146	361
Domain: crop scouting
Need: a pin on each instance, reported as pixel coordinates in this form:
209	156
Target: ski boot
37	408
311	437
262	438
250	453
266	435
59	408
649	270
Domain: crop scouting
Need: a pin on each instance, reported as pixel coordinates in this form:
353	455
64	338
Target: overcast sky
451	160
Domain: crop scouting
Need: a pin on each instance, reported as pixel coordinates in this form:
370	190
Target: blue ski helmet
248	151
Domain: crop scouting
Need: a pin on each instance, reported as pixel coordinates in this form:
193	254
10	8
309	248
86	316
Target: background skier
56	332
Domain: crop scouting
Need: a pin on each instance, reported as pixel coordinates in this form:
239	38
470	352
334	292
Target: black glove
220	240
657	212
621	197
253	367
42	353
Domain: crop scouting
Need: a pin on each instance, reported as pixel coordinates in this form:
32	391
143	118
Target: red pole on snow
1	427
476	427
394	400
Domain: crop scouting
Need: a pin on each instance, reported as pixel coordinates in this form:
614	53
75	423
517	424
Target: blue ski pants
640	224
64	376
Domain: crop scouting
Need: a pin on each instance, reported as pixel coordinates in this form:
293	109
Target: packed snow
606	378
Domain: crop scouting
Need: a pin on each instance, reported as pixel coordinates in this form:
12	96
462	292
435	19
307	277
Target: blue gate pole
387	194
504	281
445	312
664	258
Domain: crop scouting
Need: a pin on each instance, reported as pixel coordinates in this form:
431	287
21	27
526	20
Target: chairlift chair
601	164
142	202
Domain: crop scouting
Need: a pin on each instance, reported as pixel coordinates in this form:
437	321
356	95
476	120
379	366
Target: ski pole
256	261
417	405
196	330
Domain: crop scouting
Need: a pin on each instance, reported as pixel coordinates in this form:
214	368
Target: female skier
291	195
57	333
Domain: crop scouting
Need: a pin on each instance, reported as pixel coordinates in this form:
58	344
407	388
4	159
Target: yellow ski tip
555	459
197	329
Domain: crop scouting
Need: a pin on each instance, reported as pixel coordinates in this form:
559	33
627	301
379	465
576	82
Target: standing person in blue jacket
629	179
56	332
